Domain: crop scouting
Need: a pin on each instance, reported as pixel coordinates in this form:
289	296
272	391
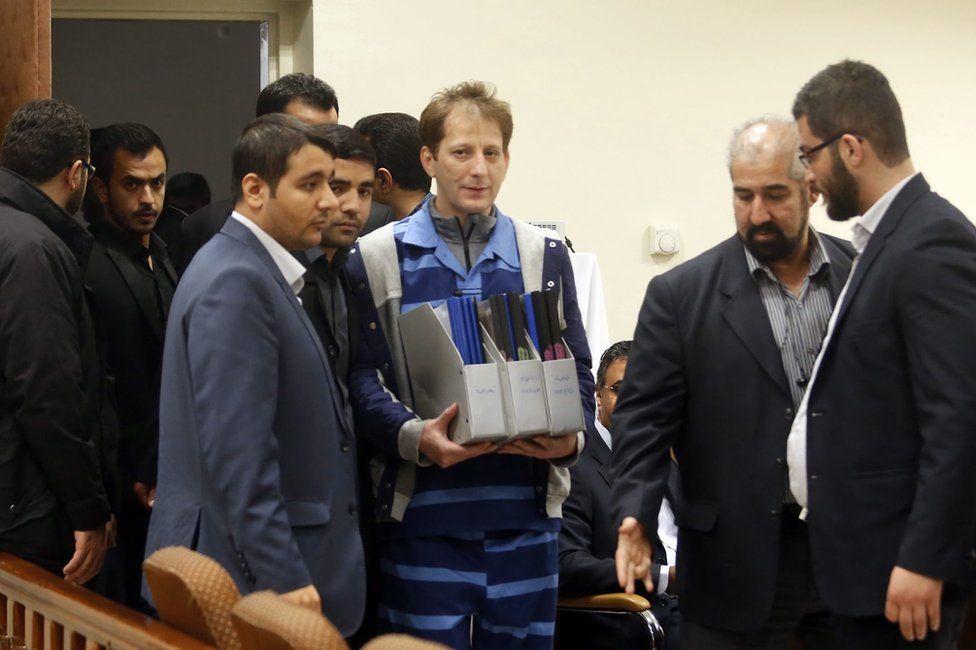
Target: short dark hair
137	139
476	95
396	139
349	144
265	146
619	350
854	97
188	184
304	87
42	138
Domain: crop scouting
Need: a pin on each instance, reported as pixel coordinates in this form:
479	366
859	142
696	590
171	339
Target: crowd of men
782	453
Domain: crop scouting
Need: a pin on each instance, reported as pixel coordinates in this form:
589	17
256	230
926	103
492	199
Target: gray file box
438	378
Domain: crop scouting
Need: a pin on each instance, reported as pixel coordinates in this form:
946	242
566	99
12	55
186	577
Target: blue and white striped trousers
484	590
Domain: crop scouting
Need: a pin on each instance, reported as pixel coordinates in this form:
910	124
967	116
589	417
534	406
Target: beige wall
623	107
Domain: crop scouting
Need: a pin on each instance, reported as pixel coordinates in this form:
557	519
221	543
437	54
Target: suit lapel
598	449
130	275
912	191
240	232
746	315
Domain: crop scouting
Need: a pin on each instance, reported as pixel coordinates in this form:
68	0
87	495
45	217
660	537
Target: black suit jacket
705	375
131	320
588	539
203	224
891	429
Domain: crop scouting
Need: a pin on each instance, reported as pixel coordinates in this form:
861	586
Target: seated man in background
589	538
402	184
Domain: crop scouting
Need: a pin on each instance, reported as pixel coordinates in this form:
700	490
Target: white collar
604	433
865	227
290	268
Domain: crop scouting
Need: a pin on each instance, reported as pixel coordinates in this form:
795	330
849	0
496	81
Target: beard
776	248
841	192
75	200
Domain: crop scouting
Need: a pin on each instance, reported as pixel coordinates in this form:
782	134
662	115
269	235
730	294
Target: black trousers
798	611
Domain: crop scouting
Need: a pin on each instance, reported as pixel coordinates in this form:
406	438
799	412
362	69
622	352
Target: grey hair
744	147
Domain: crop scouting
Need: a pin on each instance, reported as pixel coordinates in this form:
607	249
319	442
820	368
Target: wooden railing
40	611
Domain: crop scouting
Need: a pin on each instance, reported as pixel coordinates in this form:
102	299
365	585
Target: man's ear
427	159
809	188
255	191
851	150
384	179
101	191
74	175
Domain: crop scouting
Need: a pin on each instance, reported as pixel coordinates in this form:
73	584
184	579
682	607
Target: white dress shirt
796	444
290	268
667	530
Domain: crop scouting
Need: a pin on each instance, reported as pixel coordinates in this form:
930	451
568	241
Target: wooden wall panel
25	53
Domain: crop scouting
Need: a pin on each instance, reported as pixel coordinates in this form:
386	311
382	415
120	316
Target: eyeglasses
806	155
613	388
90	168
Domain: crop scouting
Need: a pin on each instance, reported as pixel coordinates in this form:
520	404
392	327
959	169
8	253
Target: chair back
193	594
265	621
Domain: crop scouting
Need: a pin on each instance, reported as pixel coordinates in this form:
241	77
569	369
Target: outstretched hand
633	557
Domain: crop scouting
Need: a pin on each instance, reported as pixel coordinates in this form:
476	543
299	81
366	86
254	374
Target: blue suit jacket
257	468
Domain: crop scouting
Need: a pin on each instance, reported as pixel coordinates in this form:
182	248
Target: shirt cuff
662	580
408	442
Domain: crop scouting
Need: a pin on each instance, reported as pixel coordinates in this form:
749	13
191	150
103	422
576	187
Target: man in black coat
883	450
723	349
53	508
298	94
588	537
133	281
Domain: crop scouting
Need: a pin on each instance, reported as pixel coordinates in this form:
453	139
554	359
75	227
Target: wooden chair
618	621
265	621
193	594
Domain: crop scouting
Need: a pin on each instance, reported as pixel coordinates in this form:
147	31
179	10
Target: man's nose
479	166
758	213
328	201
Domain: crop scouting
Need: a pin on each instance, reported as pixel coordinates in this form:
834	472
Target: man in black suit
588	537
298	94
723	349
327	301
883	450
133	281
53	508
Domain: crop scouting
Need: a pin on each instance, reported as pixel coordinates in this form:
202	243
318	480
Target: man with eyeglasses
588	538
722	353
883	447
53	507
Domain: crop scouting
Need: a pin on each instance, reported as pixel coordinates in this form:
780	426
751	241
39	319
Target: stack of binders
502	360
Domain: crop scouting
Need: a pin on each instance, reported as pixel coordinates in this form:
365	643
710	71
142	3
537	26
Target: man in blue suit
257	463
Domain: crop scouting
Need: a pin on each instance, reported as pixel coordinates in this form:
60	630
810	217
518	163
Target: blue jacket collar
421	232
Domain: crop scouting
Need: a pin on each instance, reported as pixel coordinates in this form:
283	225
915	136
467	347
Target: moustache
770	228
